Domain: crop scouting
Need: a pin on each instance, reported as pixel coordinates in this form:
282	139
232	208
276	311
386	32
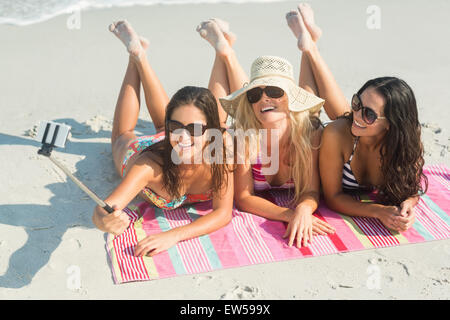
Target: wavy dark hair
204	100
402	149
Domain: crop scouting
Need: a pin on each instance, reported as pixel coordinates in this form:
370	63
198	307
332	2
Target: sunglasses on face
255	94
368	115
194	129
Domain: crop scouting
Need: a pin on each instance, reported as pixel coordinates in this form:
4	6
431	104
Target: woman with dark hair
373	146
162	167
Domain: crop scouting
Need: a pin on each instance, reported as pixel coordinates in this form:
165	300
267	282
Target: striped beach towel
249	239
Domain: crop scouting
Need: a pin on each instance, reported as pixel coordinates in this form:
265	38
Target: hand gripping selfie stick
55	135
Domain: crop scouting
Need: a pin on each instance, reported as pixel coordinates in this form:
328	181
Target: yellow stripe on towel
140	235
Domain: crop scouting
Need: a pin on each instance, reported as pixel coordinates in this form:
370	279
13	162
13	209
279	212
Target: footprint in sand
241	293
98	123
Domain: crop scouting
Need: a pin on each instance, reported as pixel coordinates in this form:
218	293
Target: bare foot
211	31
124	31
144	42
308	17
295	22
225	27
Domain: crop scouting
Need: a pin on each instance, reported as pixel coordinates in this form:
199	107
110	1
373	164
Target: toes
112	27
203	33
143	40
303	6
223	25
291	13
201	28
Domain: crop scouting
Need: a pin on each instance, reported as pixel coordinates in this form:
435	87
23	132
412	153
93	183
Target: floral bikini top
139	145
162	203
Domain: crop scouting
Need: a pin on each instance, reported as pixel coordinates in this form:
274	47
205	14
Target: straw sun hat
277	72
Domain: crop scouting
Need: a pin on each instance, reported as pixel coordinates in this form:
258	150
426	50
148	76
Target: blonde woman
273	107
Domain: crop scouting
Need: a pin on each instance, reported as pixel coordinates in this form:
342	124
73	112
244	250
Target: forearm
346	204
206	224
309	201
263	208
413	200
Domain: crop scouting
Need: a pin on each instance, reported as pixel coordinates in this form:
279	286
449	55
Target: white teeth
185	145
358	124
267	109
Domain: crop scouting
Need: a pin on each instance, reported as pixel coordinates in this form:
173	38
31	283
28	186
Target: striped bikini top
349	182
259	180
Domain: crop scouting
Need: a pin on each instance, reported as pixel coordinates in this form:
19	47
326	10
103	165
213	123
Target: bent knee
119	147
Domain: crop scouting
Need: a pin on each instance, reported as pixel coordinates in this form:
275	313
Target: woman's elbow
241	200
331	201
224	216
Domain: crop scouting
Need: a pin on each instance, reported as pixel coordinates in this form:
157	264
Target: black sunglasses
255	94
194	129
368	115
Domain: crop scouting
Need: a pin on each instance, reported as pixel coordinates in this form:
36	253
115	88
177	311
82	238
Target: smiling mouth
267	109
358	125
185	146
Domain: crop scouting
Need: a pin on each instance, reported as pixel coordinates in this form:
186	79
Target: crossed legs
227	74
315	76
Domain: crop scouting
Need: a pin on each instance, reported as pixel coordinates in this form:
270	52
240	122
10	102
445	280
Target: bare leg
235	74
335	102
306	78
155	96
227	74
126	114
218	84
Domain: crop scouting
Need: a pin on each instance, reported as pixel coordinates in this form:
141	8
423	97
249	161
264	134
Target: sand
51	72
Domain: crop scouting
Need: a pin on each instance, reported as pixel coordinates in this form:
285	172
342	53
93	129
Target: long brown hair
402	149
204	100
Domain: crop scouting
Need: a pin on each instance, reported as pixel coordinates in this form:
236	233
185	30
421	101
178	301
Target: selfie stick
46	150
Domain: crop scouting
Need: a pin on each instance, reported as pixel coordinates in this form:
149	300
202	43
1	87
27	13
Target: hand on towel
300	227
320	227
391	217
156	243
407	215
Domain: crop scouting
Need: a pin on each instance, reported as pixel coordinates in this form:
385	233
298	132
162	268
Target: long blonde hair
300	154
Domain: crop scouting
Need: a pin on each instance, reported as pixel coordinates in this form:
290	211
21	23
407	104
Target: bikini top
349	182
162	203
259	180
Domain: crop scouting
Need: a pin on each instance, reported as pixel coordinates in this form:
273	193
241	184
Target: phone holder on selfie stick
55	135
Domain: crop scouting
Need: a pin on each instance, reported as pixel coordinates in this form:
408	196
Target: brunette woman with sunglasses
270	102
373	146
160	167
